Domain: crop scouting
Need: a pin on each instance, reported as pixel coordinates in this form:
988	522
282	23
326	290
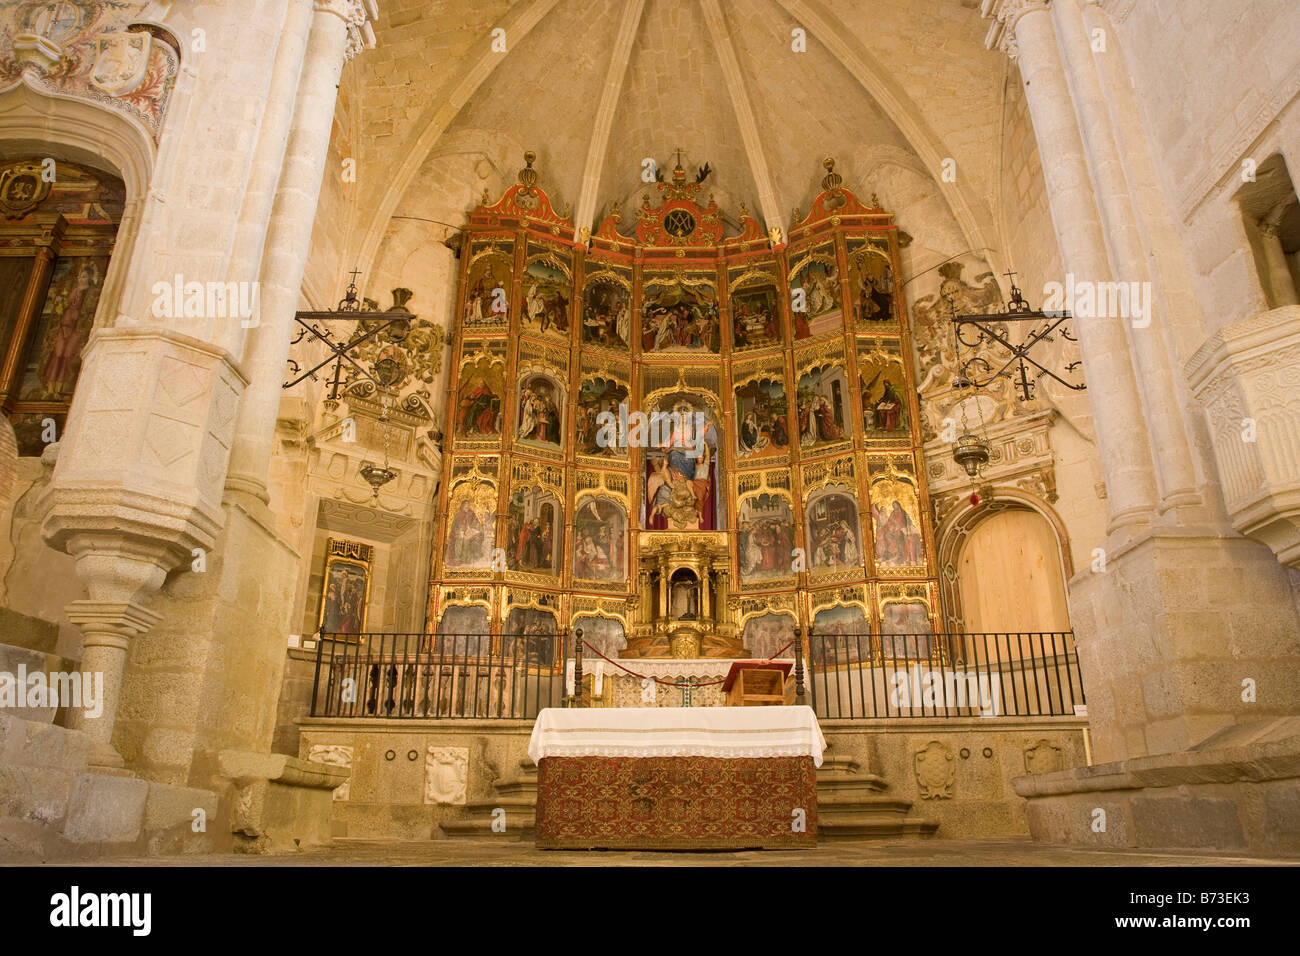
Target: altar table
691	778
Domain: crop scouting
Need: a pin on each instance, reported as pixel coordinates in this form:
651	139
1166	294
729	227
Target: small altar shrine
682	606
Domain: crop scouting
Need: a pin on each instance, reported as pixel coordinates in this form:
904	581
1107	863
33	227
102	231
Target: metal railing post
577	666
798	663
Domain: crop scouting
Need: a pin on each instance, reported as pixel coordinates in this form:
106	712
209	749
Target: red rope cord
668	683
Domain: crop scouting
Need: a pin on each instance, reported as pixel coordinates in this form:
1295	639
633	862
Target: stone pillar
1024	29
1171	452
334	37
1183	619
1280	285
134	493
107	629
264	176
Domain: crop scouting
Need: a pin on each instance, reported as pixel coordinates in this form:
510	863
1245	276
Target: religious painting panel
487	286
463	629
547	287
823	402
896	523
541	409
14	275
906	630
871	283
754	304
840	634
815	307
765	541
607	310
480	393
530	636
763	413
834	532
597	397
767	634
680	315
471	530
681	465
605	634
600	539
345	587
535	532
53	359
884	390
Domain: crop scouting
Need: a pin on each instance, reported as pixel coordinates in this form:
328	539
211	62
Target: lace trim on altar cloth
682	750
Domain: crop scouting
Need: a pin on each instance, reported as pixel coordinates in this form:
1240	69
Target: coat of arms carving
121	62
22	188
935	771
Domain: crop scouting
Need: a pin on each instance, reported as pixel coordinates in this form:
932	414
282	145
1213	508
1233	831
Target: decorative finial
832	179
875	202
528	175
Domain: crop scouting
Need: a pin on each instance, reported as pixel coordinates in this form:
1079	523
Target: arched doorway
58	229
1009	575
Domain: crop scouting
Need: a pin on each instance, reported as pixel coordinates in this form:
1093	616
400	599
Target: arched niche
1005	564
36	126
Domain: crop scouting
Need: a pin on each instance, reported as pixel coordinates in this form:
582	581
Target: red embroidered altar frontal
676	803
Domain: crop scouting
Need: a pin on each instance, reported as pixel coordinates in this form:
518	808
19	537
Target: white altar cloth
729	732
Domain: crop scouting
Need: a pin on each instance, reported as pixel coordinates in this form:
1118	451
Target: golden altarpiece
686	442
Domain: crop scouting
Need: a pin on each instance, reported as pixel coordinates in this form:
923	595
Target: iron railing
847	676
422	676
1025	674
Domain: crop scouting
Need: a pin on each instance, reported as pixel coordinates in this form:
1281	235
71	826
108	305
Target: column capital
111	623
357	14
1005	14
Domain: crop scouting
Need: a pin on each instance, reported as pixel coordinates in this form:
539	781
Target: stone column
272	140
335	36
1024	29
1171	452
107	629
134	493
1281	287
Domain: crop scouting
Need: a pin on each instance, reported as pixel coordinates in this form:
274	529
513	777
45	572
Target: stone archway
996	538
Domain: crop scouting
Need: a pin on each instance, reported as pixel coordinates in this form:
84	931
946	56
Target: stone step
858	805
834	766
871	827
518	788
520	824
862	786
854	806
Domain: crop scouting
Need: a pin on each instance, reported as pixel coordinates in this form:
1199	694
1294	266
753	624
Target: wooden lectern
758	684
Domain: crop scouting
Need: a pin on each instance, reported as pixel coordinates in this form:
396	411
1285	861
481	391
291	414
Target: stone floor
903	853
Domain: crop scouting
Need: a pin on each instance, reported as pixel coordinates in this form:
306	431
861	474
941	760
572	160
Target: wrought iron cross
395	325
1017	310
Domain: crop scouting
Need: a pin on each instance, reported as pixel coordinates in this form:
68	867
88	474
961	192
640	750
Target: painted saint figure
898	540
